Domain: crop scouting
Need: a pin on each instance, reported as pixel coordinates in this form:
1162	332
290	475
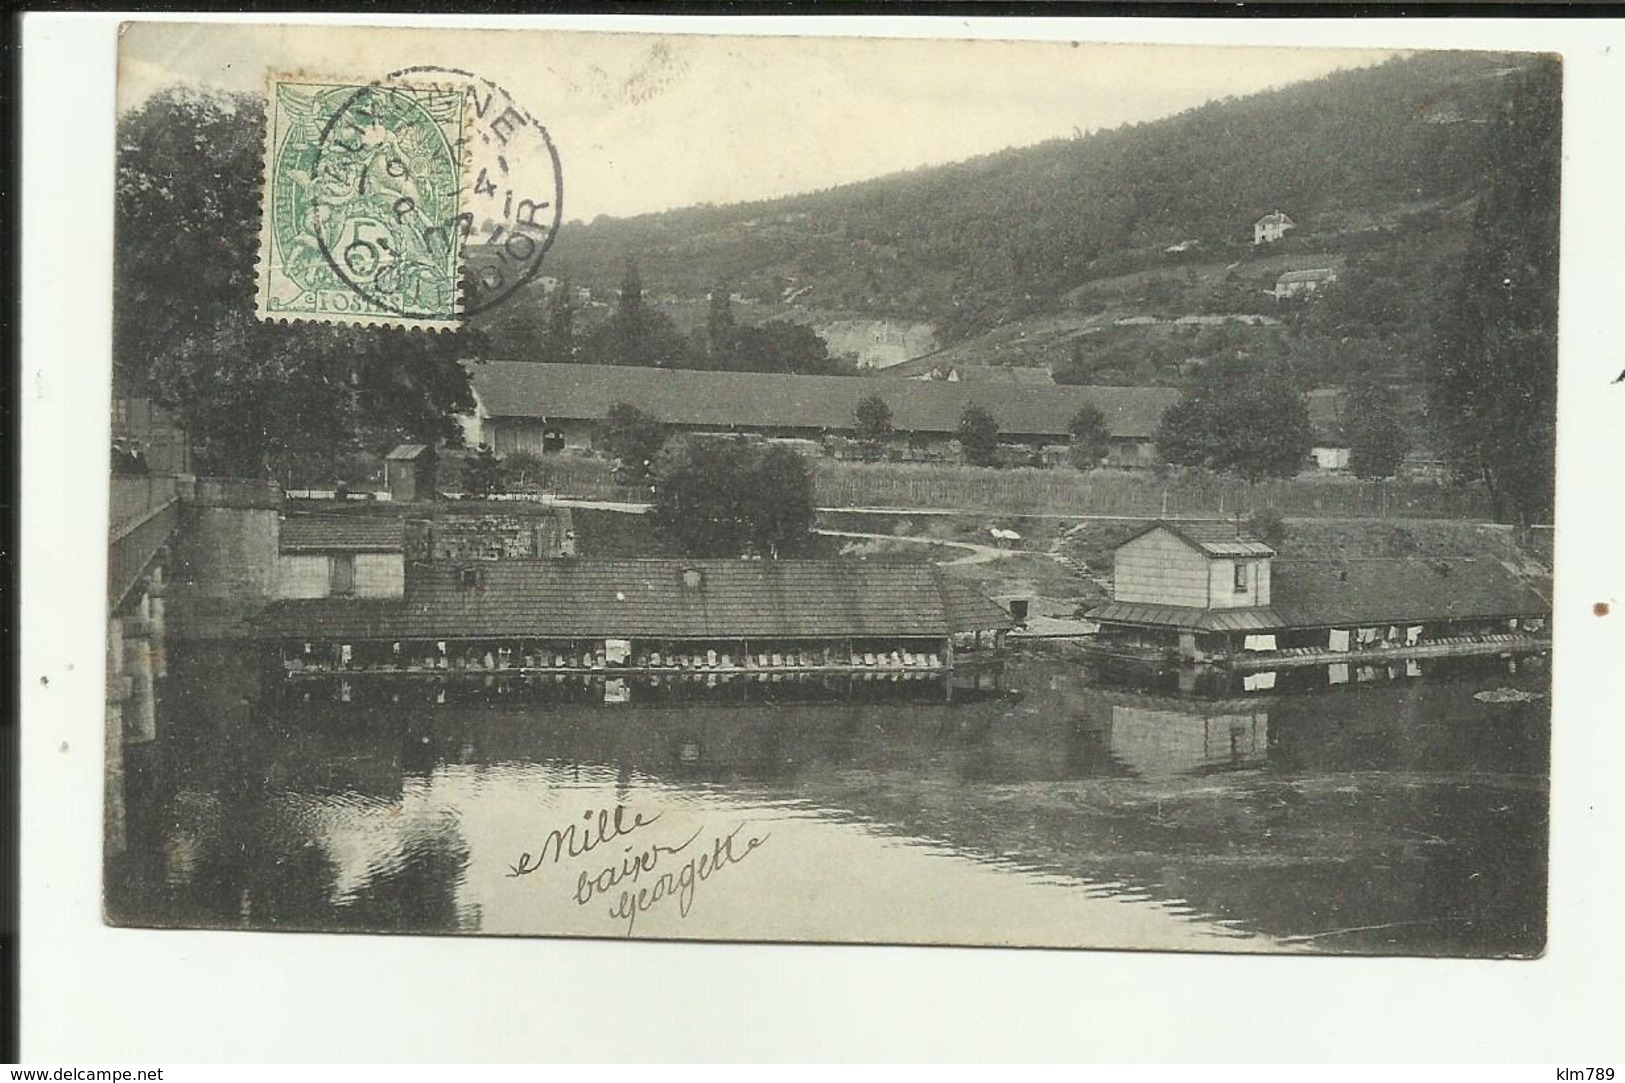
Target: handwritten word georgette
656	886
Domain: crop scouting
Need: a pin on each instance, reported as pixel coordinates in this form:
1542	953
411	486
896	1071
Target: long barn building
544	408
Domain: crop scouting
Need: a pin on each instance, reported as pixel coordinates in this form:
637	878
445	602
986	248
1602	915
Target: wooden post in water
155	594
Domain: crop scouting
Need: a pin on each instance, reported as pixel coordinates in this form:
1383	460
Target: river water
1374	811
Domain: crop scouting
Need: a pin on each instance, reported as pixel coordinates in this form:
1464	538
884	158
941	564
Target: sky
648	122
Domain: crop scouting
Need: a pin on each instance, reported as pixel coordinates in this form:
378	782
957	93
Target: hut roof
1216	537
341	533
649	599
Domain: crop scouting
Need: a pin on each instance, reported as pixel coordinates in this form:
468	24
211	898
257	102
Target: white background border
93	993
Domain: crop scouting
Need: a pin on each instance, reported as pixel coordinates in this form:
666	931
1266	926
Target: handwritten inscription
643	877
577	840
679	883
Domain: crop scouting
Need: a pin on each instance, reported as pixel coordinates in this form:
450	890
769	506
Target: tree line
635	333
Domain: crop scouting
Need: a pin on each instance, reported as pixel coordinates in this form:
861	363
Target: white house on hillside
1271	228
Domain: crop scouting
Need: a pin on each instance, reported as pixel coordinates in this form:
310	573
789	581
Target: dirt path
976	553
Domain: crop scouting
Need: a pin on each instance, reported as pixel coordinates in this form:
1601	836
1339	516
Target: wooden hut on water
1211	592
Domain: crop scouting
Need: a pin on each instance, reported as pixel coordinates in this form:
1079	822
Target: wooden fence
1058	490
1135	493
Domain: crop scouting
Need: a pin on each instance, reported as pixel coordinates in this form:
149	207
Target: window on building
1241	577
552	441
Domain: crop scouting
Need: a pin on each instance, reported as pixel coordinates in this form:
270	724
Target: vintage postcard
828	489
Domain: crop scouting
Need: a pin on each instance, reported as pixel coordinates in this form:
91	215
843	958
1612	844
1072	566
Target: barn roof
342	533
1347	593
1214	537
776	401
647	599
406	452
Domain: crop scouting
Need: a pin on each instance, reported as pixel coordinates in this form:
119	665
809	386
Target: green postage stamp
362	216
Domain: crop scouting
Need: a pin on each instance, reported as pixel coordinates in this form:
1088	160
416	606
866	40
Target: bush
718	498
1269	525
978	435
484	474
525	469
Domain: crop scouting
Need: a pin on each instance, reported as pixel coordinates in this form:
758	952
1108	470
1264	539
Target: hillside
1365	162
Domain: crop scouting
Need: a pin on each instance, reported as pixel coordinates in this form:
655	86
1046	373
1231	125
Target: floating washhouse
654	616
1210	592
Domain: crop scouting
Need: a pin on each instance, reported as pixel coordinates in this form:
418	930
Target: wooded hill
1068	225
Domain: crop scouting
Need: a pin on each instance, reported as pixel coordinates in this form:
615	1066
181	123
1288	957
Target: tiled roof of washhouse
341	533
755	400
1215	537
1350	593
1397	591
588	598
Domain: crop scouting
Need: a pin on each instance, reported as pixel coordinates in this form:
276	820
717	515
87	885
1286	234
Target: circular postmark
438	195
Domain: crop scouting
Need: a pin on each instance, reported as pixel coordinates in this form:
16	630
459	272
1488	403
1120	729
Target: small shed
409	473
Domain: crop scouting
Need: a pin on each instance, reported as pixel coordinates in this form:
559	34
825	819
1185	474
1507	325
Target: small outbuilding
409	473
341	556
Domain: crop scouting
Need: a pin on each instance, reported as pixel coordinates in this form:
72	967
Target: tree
633	437
1268	524
785	347
1091	437
1378	442
719	498
1492	382
785	509
635	334
252	394
629	306
978	435
719	326
1241	421
559	345
872	419
483	474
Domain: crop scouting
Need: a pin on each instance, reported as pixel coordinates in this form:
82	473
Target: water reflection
1393	814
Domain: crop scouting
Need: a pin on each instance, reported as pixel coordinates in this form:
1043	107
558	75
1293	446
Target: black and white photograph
832	489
